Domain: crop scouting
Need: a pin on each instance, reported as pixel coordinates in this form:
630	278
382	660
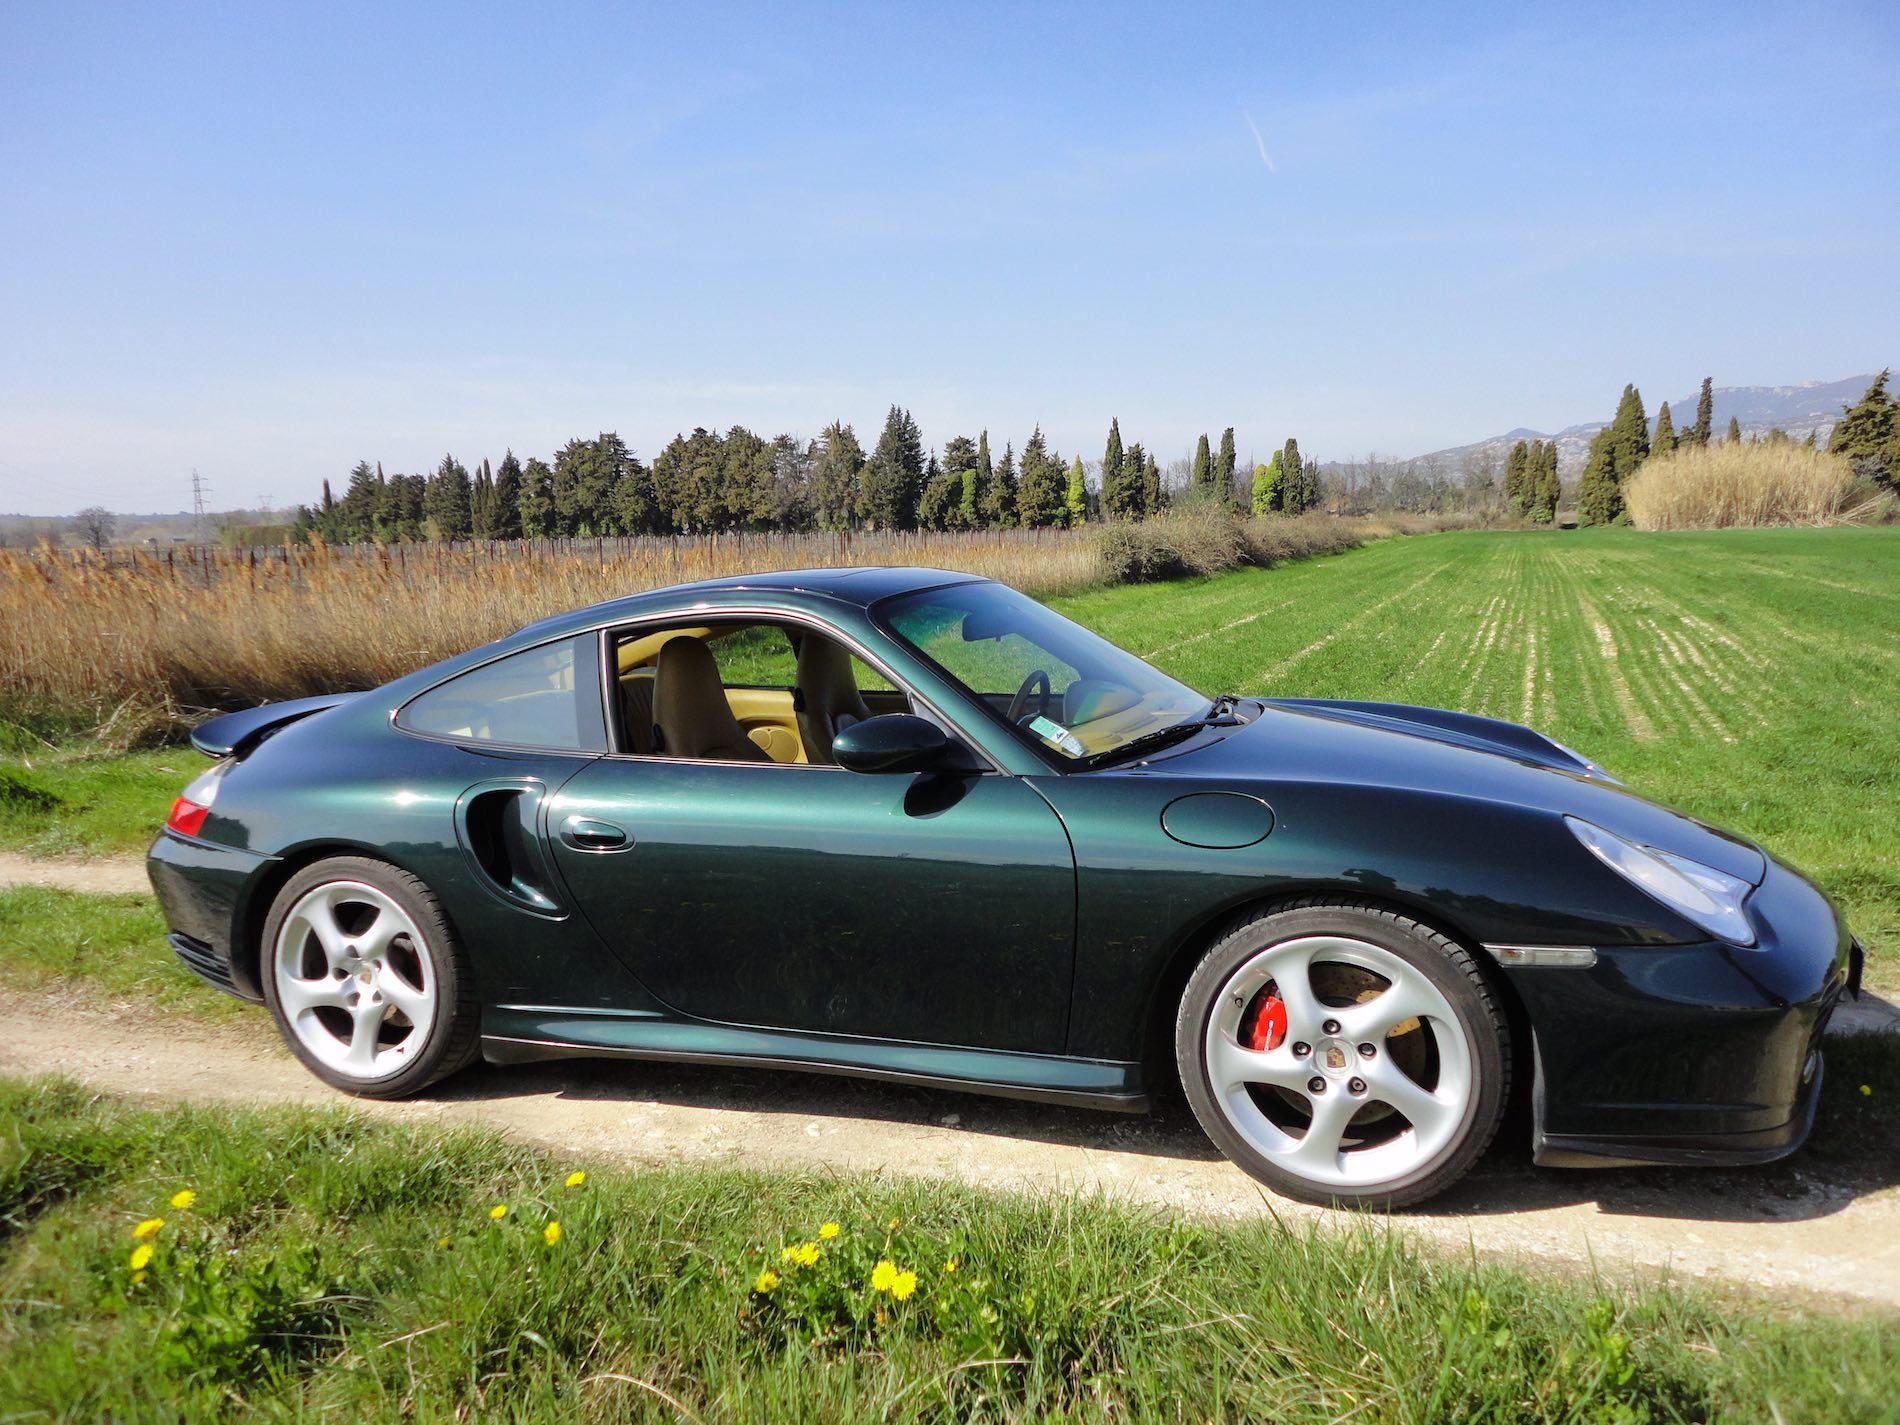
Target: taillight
186	817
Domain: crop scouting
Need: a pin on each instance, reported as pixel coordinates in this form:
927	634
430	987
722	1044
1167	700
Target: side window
542	697
756	656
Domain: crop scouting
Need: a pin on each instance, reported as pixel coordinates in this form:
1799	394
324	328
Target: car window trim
607	633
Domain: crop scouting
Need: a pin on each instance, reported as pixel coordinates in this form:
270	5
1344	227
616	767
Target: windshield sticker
1057	736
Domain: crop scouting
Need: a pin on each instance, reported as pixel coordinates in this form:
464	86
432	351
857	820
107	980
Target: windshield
1074	693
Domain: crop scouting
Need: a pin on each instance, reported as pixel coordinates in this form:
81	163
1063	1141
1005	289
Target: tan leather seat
827	697
691	717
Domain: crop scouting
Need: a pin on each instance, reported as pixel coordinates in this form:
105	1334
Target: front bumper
202	890
1692	1054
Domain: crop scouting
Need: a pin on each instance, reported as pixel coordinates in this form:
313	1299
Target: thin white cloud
1259	142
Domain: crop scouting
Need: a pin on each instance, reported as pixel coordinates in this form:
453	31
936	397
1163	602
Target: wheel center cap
1333	1057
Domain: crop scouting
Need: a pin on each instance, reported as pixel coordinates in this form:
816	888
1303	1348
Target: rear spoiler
236	733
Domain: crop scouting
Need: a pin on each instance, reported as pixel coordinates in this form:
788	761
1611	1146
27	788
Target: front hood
1453	754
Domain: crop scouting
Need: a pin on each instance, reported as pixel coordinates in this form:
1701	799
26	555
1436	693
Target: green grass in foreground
107	947
1745	676
81	802
337	1267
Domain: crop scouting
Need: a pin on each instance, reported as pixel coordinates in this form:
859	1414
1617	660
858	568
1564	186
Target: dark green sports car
913	825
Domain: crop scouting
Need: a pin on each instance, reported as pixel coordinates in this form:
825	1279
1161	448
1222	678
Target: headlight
1700	893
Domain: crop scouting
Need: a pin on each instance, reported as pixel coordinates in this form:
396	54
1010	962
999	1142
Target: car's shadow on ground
1835	1169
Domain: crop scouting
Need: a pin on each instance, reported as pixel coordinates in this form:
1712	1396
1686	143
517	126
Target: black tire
454	1038
1451	969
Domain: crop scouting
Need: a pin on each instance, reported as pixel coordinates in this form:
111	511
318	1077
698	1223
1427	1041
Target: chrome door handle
584	833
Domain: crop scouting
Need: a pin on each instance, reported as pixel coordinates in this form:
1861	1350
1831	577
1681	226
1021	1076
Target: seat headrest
690	708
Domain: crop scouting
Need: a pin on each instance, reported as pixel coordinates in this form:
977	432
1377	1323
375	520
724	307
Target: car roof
859	586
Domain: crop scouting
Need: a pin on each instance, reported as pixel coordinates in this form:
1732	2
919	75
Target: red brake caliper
1264	1025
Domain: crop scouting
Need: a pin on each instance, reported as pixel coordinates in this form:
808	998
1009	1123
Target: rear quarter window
541	697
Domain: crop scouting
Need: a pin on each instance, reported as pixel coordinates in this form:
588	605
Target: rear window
543	697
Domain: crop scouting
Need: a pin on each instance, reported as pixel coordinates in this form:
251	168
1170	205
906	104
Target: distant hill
1811	406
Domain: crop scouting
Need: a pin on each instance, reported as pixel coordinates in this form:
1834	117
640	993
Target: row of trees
1868	433
1532	488
707	482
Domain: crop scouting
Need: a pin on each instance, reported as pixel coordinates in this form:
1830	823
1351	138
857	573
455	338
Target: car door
930	907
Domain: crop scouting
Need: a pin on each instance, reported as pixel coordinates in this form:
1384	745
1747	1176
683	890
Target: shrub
1731	484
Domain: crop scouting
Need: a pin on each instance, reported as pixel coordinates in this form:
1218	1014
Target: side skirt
526	1035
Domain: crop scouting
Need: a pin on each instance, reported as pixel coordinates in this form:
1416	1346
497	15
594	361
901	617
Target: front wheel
1342	1053
365	981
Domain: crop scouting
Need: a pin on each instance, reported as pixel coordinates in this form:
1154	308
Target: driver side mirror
895	742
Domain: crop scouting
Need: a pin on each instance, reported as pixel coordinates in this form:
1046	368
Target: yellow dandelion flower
576	1178
148	1228
829	1230
1867	1090
880	1316
141	1257
498	1211
183	1198
883	1276
903	1285
767	1282
442	1242
138	1278
892	1224
950	1266
551	1233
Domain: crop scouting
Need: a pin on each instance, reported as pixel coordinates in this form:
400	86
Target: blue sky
268	242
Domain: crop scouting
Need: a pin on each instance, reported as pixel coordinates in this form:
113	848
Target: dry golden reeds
1731	484
134	645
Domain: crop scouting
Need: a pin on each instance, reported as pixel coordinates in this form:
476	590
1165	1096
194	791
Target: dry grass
1727	485
133	647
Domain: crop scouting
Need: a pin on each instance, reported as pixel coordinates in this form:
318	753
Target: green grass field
330	1267
1747	677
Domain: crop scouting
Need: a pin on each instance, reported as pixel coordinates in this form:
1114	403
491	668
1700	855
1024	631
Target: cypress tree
1075	498
1734	430
1703	428
1516	469
1599	496
636	507
892	477
1039	497
481	504
985	480
1000	509
508	497
1629	434
1224	467
1298	496
1154	499
1118	501
446	504
537	500
1665	440
1203	466
1868	434
356	512
835	478
940	506
1541	484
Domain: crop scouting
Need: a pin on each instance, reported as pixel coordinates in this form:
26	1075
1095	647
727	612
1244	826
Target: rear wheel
365	981
1341	1052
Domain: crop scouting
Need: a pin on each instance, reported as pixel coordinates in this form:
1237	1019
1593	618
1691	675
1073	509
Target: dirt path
1802	1227
118	876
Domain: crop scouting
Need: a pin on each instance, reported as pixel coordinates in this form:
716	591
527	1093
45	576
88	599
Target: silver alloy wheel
355	979
1336	1079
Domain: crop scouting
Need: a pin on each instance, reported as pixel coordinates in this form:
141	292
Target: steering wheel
1019	704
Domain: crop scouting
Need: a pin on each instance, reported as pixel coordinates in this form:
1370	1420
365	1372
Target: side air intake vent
498	825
